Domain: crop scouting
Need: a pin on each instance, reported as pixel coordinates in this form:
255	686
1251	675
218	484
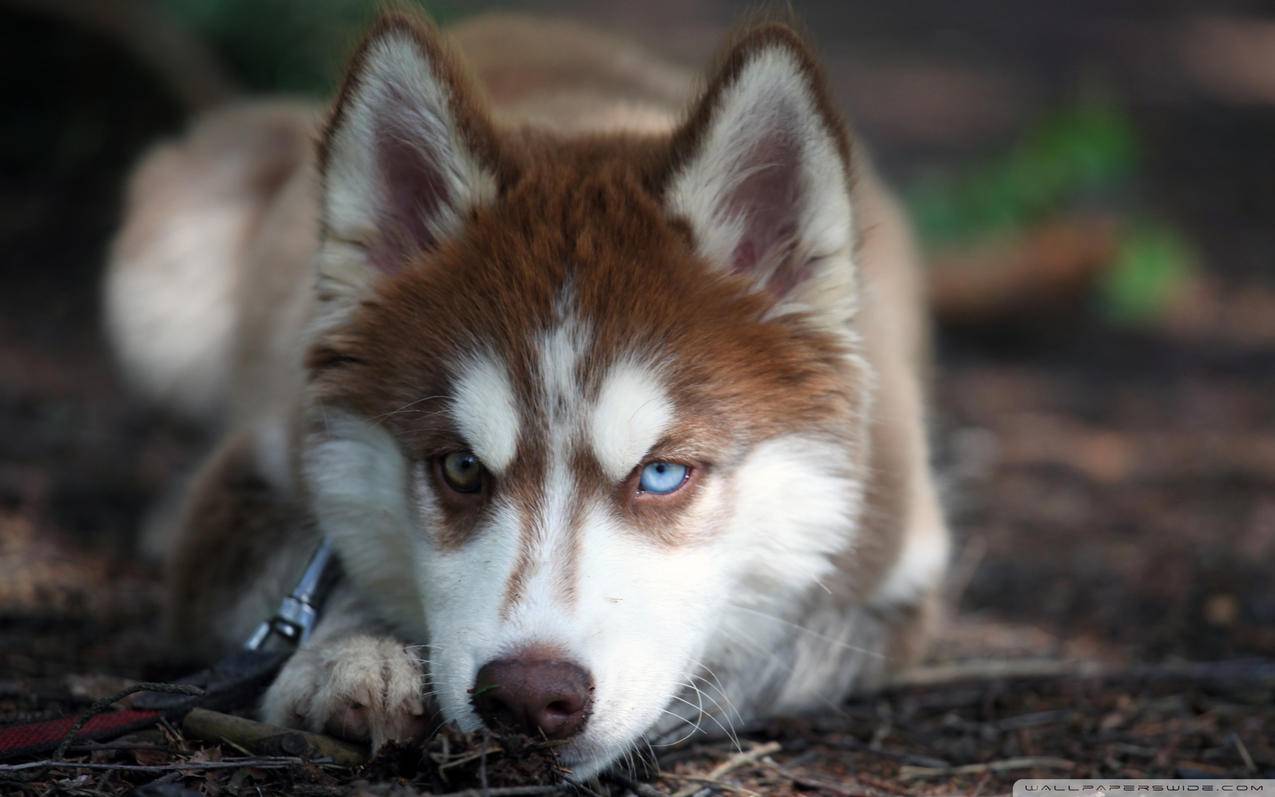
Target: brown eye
462	472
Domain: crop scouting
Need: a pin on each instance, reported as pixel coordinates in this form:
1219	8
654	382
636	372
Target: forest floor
1112	491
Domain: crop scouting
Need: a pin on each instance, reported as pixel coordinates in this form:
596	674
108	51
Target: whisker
695	727
713	716
823	637
406	407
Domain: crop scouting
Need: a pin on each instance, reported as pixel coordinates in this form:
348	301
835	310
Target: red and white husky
612	411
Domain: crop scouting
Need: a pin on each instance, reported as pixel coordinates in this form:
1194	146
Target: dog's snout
549	697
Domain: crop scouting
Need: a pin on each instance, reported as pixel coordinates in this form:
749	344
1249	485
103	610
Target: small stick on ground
713	778
1244	754
1005	765
505	791
1256	672
957	672
270	762
258	737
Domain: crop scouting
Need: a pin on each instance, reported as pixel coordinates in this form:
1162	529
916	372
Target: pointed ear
761	172
407	153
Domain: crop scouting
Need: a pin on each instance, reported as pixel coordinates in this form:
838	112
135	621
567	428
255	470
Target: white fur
559	353
357	478
739	602
174	288
632	413
171	309
769	648
398	88
924	559
464	619
808	488
770	97
485	412
645	617
355	685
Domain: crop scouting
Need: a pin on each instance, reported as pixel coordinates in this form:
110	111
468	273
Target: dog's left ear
761	173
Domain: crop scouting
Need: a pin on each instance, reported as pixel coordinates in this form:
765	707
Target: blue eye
662	478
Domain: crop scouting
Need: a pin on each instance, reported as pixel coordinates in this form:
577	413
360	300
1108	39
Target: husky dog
611	409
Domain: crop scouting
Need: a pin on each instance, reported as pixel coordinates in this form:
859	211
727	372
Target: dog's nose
550	697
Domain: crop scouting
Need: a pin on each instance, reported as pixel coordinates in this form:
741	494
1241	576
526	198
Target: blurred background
1094	184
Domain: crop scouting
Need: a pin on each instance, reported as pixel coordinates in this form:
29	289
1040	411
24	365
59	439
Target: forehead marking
632	413
549	533
560	351
484	410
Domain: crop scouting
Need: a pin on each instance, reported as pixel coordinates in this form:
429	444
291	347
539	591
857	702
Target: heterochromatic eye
463	472
662	478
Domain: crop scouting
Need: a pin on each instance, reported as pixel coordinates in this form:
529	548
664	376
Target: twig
957	672
1005	765
478	755
1248	759
90	746
1259	671
272	762
703	782
505	791
261	738
735	762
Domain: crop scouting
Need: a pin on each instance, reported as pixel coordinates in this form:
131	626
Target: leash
232	681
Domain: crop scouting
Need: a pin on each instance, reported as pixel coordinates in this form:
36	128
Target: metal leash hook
299	612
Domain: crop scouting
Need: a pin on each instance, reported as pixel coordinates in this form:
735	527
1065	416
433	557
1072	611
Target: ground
1112	488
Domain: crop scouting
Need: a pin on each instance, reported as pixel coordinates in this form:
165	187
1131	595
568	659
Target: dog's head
577	407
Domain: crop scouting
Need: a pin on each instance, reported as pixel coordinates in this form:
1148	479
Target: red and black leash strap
33	738
37	738
234	681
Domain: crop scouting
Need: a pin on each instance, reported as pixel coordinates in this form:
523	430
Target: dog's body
569	383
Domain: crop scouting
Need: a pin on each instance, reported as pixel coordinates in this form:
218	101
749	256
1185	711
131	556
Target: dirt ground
1112	489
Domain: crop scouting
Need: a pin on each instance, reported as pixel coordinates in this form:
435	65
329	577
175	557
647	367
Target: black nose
532	696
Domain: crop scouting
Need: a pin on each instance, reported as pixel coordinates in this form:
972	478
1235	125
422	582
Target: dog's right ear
408	152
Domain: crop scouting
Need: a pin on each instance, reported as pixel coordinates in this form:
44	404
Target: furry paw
360	687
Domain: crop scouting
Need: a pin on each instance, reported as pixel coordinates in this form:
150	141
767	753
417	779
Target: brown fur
581	206
232	529
576	212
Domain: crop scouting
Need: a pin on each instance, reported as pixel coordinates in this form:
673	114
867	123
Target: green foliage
285	45
1080	154
1152	265
1083	150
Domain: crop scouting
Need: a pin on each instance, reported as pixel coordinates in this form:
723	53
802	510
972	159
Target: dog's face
578	408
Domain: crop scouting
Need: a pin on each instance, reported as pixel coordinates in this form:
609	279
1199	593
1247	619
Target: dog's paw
360	687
